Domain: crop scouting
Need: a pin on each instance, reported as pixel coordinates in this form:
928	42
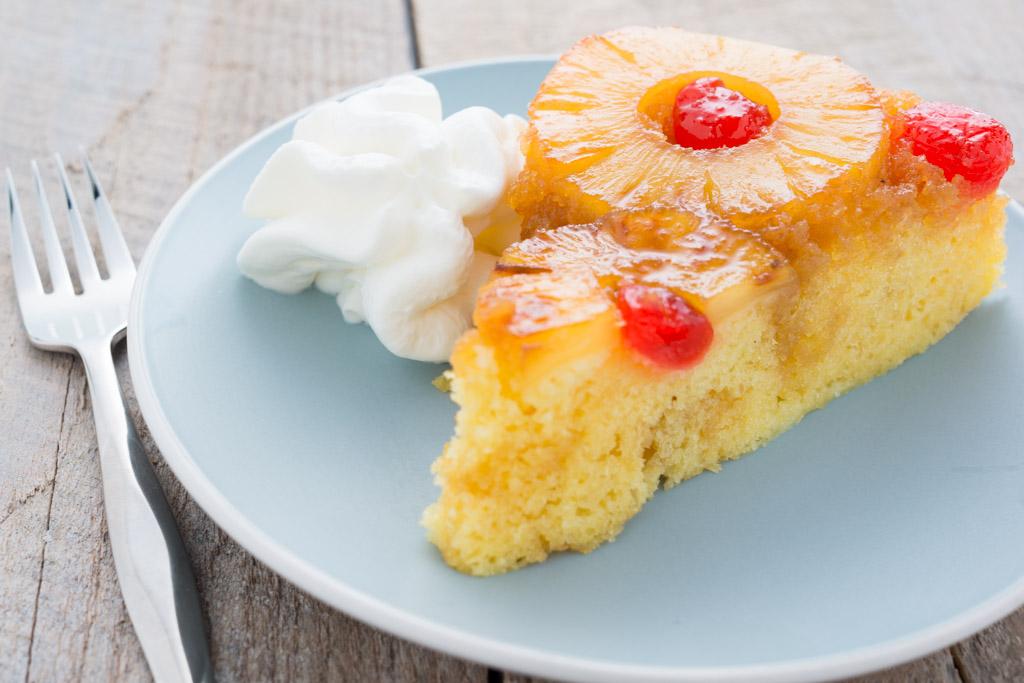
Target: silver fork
152	566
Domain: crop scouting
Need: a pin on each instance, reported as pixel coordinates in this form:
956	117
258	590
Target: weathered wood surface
158	90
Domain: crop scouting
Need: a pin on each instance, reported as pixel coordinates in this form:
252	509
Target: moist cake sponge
562	460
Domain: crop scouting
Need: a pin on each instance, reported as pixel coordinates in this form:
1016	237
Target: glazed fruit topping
708	115
962	142
662	326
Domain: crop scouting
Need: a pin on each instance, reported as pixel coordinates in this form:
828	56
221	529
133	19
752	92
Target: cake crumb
443	382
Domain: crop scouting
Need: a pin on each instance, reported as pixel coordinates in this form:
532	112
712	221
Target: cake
719	237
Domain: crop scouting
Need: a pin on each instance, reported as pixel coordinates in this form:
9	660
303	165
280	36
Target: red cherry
662	326
962	142
708	115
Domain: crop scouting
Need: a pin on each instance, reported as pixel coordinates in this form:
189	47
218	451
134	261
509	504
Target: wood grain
995	655
934	48
158	90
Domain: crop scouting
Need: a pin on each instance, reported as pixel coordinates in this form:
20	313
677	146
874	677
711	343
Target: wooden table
158	90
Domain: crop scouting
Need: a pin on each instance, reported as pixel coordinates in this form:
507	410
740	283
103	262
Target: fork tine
54	254
88	273
115	249
26	274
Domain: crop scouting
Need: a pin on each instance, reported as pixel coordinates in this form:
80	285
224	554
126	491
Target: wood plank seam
414	41
49	512
958	663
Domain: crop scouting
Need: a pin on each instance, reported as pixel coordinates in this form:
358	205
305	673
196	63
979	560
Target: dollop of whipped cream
398	212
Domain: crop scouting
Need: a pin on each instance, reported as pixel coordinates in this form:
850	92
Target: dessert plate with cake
612	272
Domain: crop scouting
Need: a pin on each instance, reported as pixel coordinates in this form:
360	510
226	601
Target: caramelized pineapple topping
573	274
601	129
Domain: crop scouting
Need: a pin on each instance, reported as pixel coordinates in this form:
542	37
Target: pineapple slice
711	263
601	137
552	295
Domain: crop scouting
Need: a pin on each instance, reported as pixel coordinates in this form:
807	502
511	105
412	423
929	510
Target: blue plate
885	526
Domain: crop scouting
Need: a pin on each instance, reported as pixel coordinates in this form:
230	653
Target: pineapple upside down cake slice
720	236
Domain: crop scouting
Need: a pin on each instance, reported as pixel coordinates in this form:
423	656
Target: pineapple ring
597	139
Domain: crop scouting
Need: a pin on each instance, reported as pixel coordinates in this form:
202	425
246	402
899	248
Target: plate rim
459	642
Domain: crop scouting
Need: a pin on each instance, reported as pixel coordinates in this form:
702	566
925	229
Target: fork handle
152	566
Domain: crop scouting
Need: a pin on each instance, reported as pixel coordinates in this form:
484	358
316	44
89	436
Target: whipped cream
396	211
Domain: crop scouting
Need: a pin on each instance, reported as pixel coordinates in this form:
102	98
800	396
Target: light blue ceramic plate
889	524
